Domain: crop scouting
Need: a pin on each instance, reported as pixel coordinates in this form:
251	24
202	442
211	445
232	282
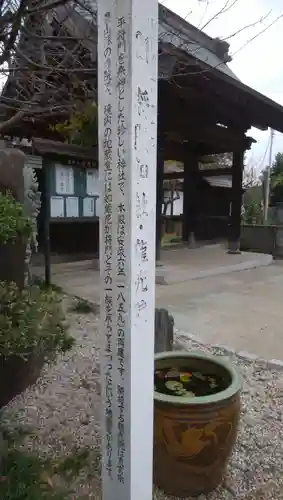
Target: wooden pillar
236	203
159	194
46	223
189	199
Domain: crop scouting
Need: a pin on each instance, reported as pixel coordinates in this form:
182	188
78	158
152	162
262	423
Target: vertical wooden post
189	198
186	203
46	222
127	92
159	194
236	203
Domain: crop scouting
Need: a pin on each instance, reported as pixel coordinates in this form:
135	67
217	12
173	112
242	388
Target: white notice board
92	182
88	207
57	206
72	206
98	207
64	179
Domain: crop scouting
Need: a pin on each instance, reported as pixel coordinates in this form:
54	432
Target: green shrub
31	321
252	213
26	475
13	221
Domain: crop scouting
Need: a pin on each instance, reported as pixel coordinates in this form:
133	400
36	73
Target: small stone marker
164	331
127	84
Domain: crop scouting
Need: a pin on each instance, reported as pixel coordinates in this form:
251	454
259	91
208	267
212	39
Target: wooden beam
178	121
173	175
236	202
159	191
205	173
212	136
216	171
190	197
175	146
52	148
199	99
203	148
174	150
171	103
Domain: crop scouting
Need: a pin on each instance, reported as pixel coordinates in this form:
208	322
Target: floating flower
185	377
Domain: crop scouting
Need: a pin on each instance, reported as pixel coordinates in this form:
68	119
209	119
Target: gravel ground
63	410
254	471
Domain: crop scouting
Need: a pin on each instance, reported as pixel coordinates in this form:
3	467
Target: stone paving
181	264
241	310
178	265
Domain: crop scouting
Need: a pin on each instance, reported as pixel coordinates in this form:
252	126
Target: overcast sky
259	63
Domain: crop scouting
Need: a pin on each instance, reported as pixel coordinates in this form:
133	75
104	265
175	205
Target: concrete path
181	264
243	310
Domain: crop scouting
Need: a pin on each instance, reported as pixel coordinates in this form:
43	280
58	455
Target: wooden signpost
127	98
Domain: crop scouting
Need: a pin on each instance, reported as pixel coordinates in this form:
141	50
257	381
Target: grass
72	465
79	305
40	282
170	239
26	476
82	306
54	288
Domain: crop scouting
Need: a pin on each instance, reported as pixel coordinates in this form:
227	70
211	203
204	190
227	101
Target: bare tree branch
46	7
11	37
187	46
193	53
225	8
250	40
48	66
204	14
4	126
170	195
244	28
48	56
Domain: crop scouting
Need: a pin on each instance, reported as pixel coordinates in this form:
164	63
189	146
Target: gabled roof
188	43
213	55
175	30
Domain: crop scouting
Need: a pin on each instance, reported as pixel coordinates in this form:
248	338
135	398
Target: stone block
12	256
164	331
12	163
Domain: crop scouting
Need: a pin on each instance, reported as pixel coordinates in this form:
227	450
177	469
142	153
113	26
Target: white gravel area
63	411
63	407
